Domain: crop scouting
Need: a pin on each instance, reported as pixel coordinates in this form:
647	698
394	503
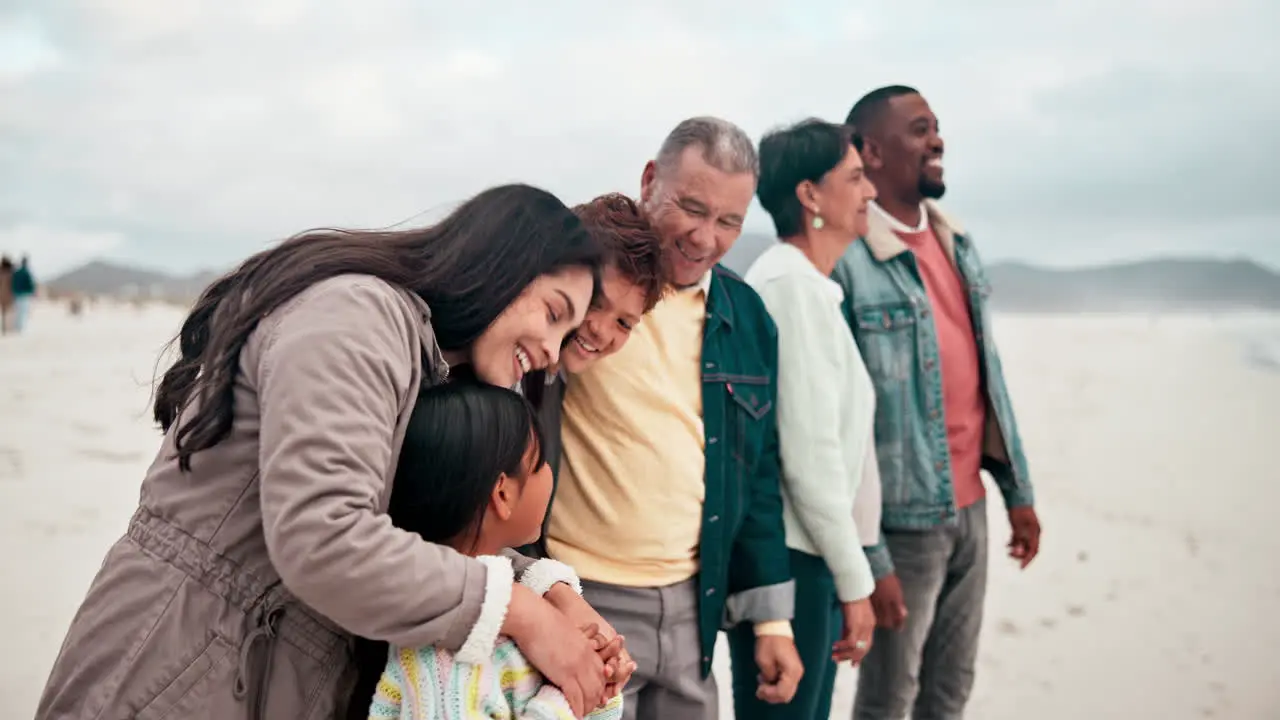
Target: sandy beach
1149	439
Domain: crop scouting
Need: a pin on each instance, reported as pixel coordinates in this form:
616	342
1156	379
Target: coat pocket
748	404
313	671
886	340
188	695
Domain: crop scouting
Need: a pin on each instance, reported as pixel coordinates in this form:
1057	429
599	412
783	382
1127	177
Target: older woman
812	184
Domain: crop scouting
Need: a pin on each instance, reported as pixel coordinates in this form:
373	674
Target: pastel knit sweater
484	683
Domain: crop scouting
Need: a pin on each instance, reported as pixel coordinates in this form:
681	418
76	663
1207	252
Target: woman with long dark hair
261	543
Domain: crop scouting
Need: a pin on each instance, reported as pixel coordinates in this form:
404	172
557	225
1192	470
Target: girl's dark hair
807	150
461	436
468	268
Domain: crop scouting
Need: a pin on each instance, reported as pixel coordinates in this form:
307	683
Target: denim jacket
891	319
745	570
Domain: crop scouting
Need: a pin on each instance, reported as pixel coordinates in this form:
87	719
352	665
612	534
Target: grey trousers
928	667
661	627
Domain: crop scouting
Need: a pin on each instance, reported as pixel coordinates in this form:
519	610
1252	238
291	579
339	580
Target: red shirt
964	405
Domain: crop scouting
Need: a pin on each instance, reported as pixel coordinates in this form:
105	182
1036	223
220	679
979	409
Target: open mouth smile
523	362
687	254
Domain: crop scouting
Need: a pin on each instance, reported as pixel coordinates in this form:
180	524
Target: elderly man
915	295
667	501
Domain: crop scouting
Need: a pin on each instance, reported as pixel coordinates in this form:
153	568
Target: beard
931	190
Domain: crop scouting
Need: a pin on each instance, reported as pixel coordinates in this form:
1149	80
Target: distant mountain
1145	286
1155	285
102	278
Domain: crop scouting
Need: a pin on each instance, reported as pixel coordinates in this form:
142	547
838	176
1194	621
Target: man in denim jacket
667	500
915	298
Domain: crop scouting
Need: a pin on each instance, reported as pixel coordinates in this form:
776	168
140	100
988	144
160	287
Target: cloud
23	49
55	249
197	131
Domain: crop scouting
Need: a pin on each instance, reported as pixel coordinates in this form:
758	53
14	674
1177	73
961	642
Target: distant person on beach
261	544
915	297
667	501
472	475
24	291
6	294
813	186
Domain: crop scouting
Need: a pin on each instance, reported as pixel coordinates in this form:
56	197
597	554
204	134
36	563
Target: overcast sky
188	133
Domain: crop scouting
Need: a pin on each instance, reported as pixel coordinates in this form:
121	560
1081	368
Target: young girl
472	476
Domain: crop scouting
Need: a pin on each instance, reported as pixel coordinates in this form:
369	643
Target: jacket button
711	591
939	465
933	414
708	316
713	518
928	364
924	312
710	365
712	440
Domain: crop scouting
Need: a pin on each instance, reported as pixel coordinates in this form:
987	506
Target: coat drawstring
266	627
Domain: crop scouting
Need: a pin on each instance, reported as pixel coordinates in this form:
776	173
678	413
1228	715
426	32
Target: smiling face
697	210
843	195
528	335
608	323
907	155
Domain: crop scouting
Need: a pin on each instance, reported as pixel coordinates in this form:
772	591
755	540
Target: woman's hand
555	645
618	663
859	624
610	651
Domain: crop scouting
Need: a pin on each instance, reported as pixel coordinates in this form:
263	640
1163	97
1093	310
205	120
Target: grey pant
661	627
928	666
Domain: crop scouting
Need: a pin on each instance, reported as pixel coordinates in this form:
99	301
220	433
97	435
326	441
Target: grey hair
725	146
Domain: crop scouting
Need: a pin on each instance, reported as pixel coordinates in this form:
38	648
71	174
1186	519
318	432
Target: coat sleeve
761	588
333	375
868	504
816	477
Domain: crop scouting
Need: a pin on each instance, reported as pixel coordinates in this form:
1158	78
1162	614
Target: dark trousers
817	625
927	668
